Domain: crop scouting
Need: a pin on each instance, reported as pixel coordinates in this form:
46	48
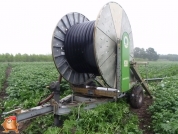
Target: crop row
27	83
159	69
165	107
27	86
109	118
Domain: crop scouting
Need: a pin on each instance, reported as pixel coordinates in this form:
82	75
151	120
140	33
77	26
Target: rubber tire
136	97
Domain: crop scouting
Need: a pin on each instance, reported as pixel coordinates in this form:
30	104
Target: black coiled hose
79	49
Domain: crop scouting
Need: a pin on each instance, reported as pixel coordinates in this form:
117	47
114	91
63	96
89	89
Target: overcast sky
26	26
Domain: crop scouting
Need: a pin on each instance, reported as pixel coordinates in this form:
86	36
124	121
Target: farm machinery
96	58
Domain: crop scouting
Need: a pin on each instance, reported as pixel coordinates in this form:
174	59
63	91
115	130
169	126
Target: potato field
23	85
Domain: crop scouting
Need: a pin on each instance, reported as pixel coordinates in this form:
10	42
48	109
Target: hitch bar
64	107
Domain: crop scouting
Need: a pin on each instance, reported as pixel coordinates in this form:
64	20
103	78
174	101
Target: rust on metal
46	100
94	92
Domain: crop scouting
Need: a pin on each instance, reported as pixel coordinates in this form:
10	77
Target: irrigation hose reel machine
100	51
89	52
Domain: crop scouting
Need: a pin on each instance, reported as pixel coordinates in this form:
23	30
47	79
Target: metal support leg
56	120
56	117
55	87
56	98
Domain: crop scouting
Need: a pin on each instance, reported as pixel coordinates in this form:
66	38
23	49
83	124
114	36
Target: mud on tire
136	97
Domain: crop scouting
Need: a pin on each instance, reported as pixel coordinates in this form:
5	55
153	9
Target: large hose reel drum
83	49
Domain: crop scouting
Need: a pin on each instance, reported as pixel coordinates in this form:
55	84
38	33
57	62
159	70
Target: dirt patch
144	116
3	92
24	125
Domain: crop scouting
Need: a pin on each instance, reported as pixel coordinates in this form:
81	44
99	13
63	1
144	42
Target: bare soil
144	116
24	125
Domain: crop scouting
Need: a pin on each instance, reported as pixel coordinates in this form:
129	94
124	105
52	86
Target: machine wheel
136	97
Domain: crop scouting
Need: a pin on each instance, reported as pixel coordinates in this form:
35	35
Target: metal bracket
139	78
55	105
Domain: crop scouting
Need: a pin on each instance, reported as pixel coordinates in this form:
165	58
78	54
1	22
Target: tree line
152	55
149	53
170	57
25	58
